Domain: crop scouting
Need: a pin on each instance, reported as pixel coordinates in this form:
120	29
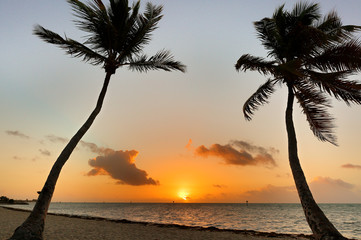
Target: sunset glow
163	136
184	195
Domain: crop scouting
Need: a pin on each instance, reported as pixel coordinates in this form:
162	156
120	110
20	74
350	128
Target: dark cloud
239	153
219	186
44	152
17	134
120	166
351	166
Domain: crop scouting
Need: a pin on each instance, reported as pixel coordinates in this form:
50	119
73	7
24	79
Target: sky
163	136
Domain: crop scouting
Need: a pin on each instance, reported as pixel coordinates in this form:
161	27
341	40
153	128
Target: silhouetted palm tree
116	37
313	56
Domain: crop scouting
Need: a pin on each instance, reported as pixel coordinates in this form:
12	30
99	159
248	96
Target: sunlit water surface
280	218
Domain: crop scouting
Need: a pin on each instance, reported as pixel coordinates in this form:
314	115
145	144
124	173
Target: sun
184	195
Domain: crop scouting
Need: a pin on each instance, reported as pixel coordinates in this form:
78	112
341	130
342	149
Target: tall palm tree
313	56
116	36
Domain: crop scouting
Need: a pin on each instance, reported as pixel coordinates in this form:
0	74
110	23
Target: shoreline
67	226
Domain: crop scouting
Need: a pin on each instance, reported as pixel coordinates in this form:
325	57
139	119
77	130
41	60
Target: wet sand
62	227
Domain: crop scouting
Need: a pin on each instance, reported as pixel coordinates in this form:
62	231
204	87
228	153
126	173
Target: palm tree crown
313	56
116	36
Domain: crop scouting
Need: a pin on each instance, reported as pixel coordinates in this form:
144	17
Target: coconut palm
116	36
313	56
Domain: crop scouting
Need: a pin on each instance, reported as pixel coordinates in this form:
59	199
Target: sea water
279	218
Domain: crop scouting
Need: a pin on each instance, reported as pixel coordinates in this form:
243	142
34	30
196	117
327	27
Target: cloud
56	139
334	190
82	144
45	152
324	190
120	165
351	166
17	134
219	186
189	145
239	153
271	194
94	148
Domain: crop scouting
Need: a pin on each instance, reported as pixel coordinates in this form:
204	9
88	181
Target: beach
71	227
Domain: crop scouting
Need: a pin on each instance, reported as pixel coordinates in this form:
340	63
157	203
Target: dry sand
65	227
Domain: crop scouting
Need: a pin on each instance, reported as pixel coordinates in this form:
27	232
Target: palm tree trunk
321	227
33	226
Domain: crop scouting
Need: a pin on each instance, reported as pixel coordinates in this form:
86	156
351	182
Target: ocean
279	218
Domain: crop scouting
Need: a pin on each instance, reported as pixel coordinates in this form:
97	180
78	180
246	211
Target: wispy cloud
353	166
92	147
189	145
56	139
239	153
120	166
95	148
17	134
45	152
219	186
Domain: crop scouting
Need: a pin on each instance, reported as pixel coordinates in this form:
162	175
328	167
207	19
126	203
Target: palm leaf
335	84
269	34
258	98
248	62
71	46
341	57
306	13
314	106
140	34
161	60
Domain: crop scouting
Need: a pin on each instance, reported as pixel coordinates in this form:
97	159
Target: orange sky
163	137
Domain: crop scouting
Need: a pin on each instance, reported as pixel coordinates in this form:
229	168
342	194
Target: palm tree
313	56
116	36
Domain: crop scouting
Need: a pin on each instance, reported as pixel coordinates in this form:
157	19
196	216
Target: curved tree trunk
321	227
33	226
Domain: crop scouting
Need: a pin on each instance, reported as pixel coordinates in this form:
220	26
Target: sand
65	227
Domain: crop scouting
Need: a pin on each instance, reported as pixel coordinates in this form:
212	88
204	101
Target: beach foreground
70	227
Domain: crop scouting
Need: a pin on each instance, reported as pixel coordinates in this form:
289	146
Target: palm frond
306	13
269	34
140	34
341	57
248	62
329	22
335	84
260	97
332	25
71	46
93	18
162	60
314	105
124	21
